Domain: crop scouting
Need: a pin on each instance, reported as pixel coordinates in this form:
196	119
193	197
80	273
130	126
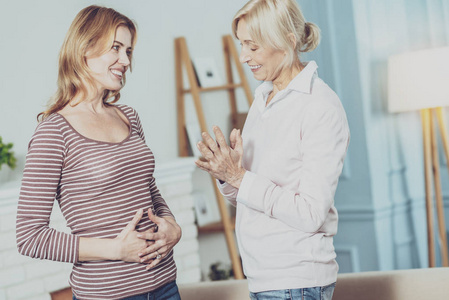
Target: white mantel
26	278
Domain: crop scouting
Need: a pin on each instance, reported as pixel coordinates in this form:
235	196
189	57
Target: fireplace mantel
26	278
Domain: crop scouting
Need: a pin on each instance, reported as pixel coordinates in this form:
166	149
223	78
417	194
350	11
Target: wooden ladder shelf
182	59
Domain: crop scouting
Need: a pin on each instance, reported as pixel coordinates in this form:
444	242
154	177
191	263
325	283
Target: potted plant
219	272
6	155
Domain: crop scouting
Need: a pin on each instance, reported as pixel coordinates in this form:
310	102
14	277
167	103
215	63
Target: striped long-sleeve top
99	187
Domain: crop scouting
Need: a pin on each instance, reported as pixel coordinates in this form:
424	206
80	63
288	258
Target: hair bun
311	37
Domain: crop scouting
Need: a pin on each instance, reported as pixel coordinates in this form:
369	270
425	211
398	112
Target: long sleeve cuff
244	192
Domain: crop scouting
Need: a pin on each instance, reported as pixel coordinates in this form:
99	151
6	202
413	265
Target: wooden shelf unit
183	60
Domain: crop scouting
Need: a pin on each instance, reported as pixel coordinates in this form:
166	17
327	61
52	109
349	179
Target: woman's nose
124	59
244	57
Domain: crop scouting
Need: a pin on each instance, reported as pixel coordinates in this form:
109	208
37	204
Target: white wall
31	35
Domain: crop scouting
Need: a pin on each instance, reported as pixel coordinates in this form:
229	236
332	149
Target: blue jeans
314	293
166	292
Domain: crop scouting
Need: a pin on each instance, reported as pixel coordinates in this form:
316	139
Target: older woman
90	155
282	172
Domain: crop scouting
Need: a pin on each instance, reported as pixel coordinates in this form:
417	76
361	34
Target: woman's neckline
99	141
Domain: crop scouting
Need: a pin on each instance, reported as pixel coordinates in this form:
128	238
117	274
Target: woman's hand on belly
163	241
128	244
124	247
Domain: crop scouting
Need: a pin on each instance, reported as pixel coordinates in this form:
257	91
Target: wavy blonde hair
271	23
93	30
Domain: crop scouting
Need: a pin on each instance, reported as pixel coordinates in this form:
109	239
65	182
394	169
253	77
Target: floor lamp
420	81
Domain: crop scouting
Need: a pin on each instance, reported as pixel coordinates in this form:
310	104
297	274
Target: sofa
414	284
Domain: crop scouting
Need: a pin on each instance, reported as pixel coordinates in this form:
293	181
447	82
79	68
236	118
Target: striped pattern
99	186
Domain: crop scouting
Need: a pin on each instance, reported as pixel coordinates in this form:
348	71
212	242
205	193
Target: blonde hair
93	30
272	22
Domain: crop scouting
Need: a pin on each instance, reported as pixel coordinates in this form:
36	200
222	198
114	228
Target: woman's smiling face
108	69
263	62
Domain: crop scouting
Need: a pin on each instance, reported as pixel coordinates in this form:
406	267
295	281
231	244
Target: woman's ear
292	39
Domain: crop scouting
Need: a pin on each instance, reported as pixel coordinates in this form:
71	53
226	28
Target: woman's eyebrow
121	44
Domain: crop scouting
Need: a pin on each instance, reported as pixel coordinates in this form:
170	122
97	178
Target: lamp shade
418	80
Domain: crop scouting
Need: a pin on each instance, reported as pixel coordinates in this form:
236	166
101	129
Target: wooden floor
64	294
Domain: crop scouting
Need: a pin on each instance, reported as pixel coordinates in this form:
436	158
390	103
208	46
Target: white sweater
294	150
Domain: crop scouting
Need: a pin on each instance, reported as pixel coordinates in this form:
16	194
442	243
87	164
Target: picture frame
205	211
207	72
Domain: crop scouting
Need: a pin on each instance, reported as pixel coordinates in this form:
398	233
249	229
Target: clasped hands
150	246
220	160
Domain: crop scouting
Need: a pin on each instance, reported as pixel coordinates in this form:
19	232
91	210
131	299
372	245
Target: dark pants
166	292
